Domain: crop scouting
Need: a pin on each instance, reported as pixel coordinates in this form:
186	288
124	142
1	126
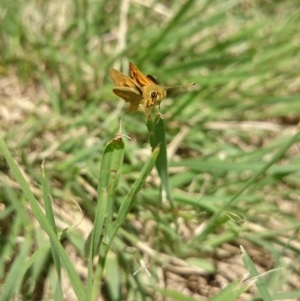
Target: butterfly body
153	95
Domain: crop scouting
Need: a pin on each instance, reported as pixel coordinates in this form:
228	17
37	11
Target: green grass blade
39	215
27	265
113	272
124	209
212	223
108	181
136	187
231	292
157	136
109	176
261	285
14	276
176	18
51	219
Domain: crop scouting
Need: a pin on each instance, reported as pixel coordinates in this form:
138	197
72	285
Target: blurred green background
232	139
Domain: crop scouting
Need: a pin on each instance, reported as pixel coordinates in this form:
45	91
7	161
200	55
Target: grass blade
74	278
157	136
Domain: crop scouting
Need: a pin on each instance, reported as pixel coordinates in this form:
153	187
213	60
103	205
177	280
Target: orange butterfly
139	90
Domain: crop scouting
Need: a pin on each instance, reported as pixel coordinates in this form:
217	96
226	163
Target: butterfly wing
122	80
153	79
127	89
128	94
139	77
131	95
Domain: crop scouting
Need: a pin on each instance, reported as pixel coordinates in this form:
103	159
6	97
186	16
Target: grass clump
97	211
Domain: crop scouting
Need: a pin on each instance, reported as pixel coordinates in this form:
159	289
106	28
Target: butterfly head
153	95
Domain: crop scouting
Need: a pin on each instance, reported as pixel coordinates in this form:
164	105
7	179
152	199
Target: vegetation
92	211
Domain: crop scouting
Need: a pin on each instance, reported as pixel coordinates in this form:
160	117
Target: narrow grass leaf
109	176
211	225
51	219
39	215
176	18
108	181
136	187
14	276
27	265
294	295
157	136
123	211
261	285
55	100
112	269
231	292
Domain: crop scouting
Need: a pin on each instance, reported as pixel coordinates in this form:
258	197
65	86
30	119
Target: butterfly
141	91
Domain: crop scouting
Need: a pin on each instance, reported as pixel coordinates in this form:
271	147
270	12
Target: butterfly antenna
179	86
